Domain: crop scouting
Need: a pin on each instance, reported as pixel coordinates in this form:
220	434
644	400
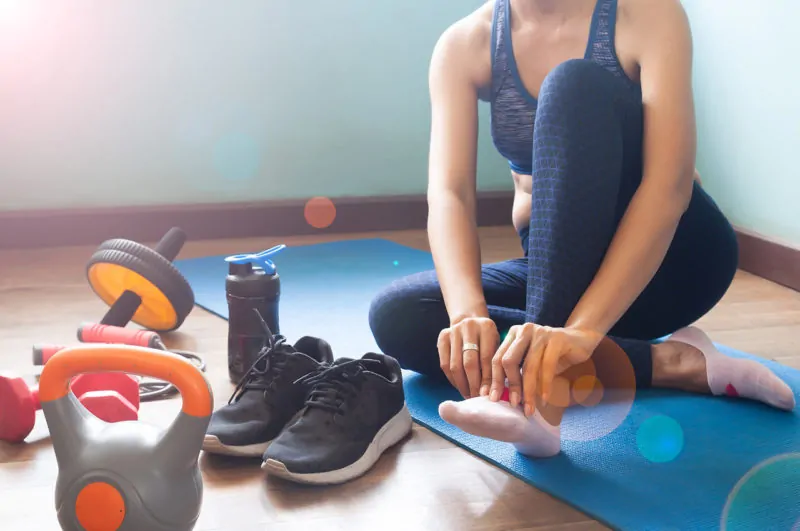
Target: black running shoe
355	411
267	398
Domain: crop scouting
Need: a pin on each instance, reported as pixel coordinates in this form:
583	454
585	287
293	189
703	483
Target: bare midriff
521	211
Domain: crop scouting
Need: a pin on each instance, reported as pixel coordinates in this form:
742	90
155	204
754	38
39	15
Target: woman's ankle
679	366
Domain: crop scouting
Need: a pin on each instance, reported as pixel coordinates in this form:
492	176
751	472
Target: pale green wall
148	101
747	73
132	102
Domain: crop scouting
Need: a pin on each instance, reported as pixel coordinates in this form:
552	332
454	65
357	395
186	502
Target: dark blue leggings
587	153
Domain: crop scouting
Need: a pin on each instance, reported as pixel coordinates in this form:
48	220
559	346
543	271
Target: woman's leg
587	166
407	317
587	163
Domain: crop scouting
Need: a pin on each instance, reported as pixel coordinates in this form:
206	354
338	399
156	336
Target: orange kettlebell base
100	507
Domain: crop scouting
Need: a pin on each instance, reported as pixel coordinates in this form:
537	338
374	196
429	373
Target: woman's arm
646	231
452	230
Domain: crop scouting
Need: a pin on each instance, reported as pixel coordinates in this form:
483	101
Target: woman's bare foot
689	361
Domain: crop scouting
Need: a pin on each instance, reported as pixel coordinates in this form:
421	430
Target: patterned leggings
587	164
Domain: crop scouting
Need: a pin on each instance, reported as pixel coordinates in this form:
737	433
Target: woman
591	103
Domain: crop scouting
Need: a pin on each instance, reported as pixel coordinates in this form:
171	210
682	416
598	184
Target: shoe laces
333	386
268	367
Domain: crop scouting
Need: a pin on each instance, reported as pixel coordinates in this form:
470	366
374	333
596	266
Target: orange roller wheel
141	284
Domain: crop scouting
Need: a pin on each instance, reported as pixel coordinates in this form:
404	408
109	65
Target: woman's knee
388	306
579	80
405	325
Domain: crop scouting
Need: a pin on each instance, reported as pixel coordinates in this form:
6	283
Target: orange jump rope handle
195	392
100	333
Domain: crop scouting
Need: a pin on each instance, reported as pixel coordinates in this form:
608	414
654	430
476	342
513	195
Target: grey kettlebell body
126	476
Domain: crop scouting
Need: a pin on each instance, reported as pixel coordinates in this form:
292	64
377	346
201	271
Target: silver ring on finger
470	346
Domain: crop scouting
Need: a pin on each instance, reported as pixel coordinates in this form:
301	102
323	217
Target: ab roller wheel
141	284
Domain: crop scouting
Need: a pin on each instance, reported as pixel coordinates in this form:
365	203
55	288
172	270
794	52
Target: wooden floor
425	483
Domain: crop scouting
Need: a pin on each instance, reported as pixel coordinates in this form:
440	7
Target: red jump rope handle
100	333
42	353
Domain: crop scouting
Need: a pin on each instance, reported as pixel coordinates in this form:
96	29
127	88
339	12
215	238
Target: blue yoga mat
670	461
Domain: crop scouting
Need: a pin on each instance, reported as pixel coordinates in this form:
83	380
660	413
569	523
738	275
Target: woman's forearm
635	254
453	238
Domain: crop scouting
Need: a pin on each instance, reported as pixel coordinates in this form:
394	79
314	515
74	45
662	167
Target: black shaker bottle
252	285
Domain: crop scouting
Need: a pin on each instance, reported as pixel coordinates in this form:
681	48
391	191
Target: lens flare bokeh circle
660	439
601	392
319	212
766	497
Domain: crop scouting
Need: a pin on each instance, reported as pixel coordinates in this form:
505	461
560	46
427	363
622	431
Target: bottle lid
259	259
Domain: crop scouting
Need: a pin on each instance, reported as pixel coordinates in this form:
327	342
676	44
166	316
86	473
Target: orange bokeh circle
587	391
319	212
602	394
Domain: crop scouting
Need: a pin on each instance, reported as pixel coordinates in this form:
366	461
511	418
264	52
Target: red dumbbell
18	406
112	397
109	396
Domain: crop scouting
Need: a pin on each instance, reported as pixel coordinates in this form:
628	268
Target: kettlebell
131	475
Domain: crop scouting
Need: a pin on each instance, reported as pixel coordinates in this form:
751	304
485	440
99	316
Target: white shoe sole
213	445
390	434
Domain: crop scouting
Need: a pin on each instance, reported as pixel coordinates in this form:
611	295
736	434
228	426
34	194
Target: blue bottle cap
260	259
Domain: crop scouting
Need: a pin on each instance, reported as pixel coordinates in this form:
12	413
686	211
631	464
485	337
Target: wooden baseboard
767	258
34	229
758	254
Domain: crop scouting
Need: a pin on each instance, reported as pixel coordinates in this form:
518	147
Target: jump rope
149	389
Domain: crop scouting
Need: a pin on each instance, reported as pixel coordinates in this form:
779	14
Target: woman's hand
543	353
465	354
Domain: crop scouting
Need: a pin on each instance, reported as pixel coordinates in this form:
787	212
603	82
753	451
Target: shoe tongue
314	348
278	351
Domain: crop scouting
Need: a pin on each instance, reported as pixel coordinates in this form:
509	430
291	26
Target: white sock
533	437
736	377
541	438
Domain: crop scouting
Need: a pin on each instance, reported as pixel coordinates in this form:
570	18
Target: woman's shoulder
472	32
467	43
643	24
641	16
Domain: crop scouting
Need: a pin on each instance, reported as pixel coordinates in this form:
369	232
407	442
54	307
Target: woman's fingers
552	354
443	345
488	346
457	362
498	373
512	360
533	362
470	353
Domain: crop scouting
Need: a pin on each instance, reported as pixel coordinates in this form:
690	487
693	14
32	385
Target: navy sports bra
513	108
